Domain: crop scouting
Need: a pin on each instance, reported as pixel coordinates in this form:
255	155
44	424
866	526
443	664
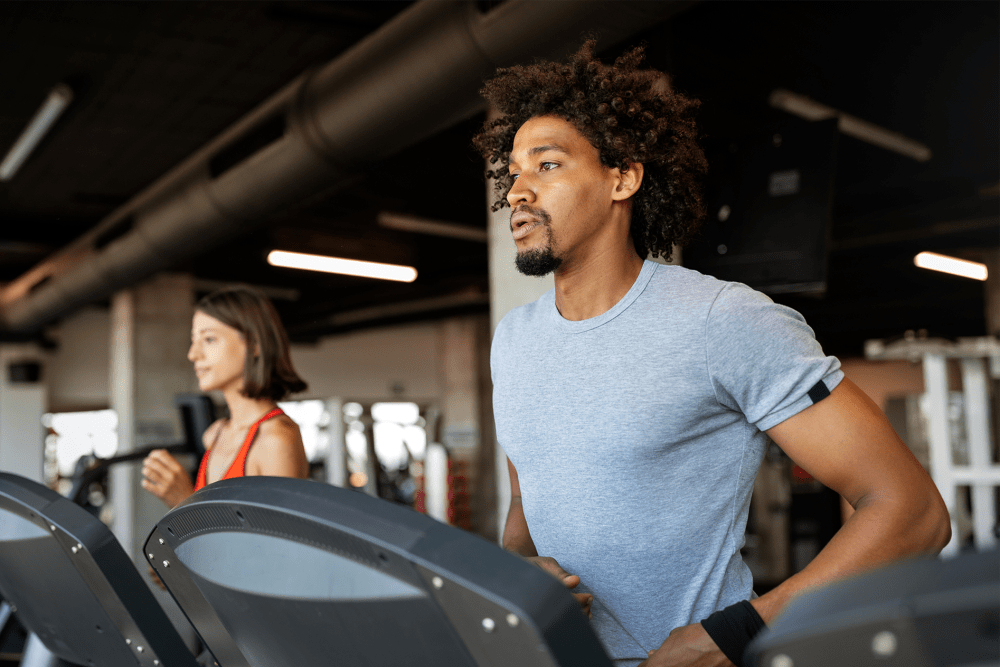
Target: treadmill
277	571
74	588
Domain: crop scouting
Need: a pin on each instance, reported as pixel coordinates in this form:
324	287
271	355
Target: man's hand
552	566
687	646
165	478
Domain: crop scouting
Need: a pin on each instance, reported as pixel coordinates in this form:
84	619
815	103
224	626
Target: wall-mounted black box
24	372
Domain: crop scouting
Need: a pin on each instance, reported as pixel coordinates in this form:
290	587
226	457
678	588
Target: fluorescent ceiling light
952	265
57	101
810	109
348	267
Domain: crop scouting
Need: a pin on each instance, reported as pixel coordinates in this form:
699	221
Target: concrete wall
401	361
76	373
394	362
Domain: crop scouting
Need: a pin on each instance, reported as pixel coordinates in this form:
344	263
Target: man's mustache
536	213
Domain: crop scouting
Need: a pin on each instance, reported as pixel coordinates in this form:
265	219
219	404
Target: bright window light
401	413
53	106
313	420
348	267
76	434
952	265
389	446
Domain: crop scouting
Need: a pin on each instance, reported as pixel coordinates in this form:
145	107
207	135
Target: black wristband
733	628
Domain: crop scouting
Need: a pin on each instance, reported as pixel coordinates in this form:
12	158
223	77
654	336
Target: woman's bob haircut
267	369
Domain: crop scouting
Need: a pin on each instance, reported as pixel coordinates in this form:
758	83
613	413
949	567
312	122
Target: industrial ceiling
154	83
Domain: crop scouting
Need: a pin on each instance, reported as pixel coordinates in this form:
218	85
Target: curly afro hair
628	115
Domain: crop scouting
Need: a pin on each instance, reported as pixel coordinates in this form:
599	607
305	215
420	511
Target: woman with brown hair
238	347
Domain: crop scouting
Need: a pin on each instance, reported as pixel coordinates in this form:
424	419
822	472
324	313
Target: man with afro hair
635	400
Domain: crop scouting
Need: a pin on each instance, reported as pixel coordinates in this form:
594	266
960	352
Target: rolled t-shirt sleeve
763	359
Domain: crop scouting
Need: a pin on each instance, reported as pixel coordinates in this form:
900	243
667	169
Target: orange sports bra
239	465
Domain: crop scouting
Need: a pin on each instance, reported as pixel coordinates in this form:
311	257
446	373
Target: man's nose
520	192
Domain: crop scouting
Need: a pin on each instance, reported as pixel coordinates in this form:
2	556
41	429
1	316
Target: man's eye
513	177
546	166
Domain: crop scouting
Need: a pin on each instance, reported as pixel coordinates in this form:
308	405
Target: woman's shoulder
280	429
278	450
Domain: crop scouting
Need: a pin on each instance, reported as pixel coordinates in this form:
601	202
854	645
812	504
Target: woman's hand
166	478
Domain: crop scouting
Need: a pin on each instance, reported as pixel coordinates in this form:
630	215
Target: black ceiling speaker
768	199
24	372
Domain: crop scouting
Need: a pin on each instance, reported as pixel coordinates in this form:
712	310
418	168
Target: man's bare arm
846	443
516	537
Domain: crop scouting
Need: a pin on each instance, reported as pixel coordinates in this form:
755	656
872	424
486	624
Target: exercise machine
279	571
197	413
921	613
75	589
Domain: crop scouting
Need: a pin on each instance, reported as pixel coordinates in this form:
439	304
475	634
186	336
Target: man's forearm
878	532
846	442
516	537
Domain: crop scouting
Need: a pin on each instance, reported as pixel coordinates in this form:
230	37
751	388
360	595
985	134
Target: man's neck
593	285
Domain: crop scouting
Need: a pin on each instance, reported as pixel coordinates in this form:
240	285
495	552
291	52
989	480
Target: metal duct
415	76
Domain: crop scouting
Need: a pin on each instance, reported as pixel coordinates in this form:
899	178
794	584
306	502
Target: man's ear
628	182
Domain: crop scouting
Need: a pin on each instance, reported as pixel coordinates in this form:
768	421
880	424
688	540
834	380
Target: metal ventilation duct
415	76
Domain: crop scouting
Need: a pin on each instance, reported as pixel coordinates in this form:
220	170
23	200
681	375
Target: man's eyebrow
545	148
538	150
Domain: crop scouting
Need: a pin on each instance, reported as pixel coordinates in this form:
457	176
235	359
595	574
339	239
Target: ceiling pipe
413	77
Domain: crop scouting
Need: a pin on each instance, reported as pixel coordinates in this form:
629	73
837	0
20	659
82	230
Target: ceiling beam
936	230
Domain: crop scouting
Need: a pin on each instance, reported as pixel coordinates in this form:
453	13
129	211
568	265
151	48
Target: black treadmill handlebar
179	448
83	479
197	411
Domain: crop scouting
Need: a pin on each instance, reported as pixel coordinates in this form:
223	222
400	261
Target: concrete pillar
23	401
459	382
464	355
121	379
150	336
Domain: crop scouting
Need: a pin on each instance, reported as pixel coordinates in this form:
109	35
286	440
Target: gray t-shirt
637	435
